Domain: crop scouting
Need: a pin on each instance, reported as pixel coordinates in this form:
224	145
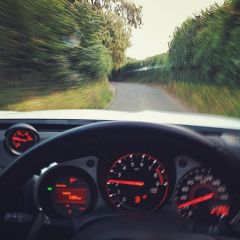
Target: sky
160	18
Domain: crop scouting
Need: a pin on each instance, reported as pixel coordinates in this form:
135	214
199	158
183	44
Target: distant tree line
64	39
205	48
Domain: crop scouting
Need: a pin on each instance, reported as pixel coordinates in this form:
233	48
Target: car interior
111	179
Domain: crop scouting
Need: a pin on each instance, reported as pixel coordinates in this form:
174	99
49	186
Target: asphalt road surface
139	97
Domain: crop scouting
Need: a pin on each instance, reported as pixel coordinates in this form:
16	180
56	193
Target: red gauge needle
125	182
196	200
19	139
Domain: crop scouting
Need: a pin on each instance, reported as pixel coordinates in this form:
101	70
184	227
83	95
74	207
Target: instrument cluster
137	182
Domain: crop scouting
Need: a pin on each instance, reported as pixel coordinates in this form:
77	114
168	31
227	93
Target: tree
119	16
129	12
116	37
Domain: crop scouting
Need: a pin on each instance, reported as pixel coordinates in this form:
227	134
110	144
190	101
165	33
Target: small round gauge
66	191
202	196
137	181
20	138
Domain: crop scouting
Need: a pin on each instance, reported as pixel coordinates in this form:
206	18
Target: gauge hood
187	119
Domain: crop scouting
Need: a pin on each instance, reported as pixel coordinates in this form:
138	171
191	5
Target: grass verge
205	98
95	95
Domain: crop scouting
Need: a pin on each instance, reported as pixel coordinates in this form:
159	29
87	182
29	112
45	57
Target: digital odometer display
66	191
70	196
137	181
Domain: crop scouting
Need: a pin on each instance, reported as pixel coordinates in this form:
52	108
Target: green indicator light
49	189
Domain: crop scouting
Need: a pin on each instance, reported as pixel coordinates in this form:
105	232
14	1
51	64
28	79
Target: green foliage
90	24
60	40
31	32
150	69
128	11
97	61
207	98
116	38
208	45
119	16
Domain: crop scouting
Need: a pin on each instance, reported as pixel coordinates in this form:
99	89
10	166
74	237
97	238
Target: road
139	97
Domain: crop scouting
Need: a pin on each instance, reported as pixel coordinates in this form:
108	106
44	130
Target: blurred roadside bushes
55	41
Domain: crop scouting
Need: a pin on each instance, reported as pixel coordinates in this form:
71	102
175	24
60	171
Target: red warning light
144	196
221	210
137	199
72	180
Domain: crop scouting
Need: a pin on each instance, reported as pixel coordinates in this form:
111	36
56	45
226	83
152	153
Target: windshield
161	55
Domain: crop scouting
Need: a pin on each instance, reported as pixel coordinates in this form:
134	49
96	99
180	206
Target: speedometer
202	196
137	181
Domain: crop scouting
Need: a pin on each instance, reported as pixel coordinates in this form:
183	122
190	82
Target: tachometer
203	197
137	181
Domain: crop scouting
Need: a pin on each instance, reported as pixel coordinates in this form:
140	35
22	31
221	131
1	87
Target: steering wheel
85	140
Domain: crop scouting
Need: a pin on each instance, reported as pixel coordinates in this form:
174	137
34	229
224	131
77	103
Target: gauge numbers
200	195
137	181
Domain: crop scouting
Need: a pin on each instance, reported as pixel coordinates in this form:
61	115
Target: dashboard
128	177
